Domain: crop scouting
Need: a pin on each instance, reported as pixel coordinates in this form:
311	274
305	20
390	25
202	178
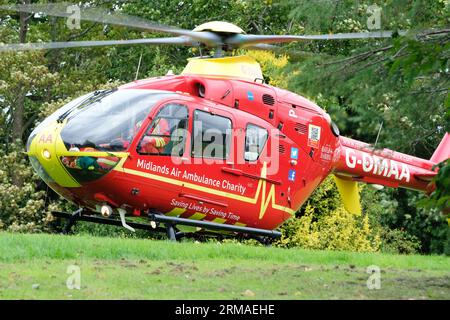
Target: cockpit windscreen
108	120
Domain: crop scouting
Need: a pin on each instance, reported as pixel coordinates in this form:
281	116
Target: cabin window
166	135
255	139
211	135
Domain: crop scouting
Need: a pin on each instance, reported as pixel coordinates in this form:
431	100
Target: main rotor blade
242	40
101	15
76	44
269	47
263	46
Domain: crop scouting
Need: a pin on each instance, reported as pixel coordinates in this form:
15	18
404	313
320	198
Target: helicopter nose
42	150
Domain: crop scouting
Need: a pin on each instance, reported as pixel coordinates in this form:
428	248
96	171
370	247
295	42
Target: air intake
300	128
281	148
268	99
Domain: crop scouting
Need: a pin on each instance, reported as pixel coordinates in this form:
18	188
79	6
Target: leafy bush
447	243
325	224
399	241
22	207
336	230
427	224
440	197
397	209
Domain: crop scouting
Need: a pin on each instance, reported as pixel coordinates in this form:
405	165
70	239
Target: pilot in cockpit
156	139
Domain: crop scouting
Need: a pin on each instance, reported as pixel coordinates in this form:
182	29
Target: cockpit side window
255	139
166	135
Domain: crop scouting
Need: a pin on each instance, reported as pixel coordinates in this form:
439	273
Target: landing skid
72	220
88	216
165	224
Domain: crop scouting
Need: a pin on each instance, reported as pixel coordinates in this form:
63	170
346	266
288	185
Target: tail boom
359	161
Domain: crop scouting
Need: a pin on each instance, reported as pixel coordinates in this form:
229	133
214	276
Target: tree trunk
19	108
24	16
17	127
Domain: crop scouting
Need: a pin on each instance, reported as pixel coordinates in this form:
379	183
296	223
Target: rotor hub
219	27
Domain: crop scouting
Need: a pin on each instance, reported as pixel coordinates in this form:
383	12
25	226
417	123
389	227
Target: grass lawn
35	267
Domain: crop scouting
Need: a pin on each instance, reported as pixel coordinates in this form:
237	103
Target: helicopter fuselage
277	148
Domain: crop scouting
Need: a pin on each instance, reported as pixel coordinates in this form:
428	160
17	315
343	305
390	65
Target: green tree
400	84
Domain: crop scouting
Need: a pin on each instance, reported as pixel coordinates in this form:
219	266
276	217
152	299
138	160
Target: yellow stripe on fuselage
197	216
265	201
239	224
175	212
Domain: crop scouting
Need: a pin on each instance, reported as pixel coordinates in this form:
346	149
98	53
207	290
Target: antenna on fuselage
378	135
138	67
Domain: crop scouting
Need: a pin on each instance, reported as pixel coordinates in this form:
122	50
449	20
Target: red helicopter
213	150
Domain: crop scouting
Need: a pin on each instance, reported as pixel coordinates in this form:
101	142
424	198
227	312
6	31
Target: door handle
238	172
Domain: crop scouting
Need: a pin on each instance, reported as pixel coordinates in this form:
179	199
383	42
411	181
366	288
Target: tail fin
442	152
360	162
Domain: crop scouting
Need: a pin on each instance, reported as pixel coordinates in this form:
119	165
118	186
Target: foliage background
400	84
